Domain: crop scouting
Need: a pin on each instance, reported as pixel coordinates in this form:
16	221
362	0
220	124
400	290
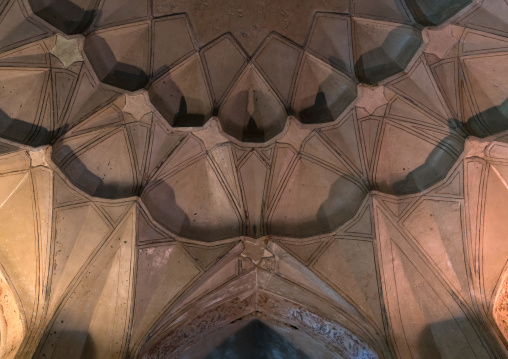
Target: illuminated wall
315	179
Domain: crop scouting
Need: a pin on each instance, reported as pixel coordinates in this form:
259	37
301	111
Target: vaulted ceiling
316	179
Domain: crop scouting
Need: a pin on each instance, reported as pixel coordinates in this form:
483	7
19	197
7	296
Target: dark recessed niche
70	17
120	56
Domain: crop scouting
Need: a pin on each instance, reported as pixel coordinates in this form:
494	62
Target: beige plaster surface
171	172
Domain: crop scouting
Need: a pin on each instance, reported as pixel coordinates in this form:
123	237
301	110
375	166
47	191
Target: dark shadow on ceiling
390	58
489	122
440	161
71	17
173	105
320	111
6	148
161	202
85	179
74	341
109	70
27	133
252	127
435	12
342	204
185	119
437	164
317	113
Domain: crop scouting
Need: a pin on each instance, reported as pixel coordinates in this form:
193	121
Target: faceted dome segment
316	200
386	10
16	29
45	89
70	17
382	49
252	111
435	12
21	90
278	61
113	12
172	41
129	56
322	93
121	56
85	153
491	95
330	39
198	208
98	170
491	16
182	96
224	61
374	207
409	163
